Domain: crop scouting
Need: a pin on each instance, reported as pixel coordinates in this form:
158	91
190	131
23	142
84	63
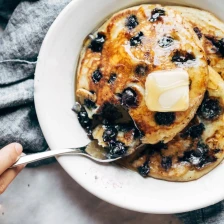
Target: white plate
54	97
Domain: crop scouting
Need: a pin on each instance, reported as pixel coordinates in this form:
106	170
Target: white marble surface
47	195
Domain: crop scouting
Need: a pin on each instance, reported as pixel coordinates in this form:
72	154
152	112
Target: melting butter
167	91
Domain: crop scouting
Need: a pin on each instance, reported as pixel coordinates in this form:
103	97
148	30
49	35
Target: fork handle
25	159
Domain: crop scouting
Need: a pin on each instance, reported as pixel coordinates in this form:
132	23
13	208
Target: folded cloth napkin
25	24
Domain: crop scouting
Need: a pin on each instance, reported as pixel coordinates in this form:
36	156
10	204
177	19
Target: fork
104	158
25	159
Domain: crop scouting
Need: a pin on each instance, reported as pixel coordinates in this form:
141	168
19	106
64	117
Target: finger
8	176
9	155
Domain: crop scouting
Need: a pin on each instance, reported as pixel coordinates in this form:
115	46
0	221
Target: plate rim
89	189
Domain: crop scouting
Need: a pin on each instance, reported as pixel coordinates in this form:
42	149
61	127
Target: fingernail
18	148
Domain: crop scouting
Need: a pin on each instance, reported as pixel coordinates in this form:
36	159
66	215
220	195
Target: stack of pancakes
114	64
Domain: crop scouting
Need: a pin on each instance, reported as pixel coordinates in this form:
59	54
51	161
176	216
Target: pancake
210	30
196	150
116	60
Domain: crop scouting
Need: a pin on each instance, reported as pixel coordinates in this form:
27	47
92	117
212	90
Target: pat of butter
167	91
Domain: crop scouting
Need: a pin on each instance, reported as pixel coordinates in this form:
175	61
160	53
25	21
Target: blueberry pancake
119	60
194	151
210	31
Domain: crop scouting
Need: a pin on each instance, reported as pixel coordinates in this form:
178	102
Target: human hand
8	156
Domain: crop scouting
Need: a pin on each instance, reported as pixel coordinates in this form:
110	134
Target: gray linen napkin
19	47
25	25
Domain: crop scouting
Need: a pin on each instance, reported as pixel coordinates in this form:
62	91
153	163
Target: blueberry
84	119
131	22
206	160
198	157
194	159
160	145
96	76
166	41
165	118
217	151
76	107
191	157
156	148
198	32
219	44
141	70
117	149
156	14
210	109
166	162
201	150
206	156
110	134
129	98
96	44
144	169
136	40
110	112
186	156
195	131
90	104
182	57
112	79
